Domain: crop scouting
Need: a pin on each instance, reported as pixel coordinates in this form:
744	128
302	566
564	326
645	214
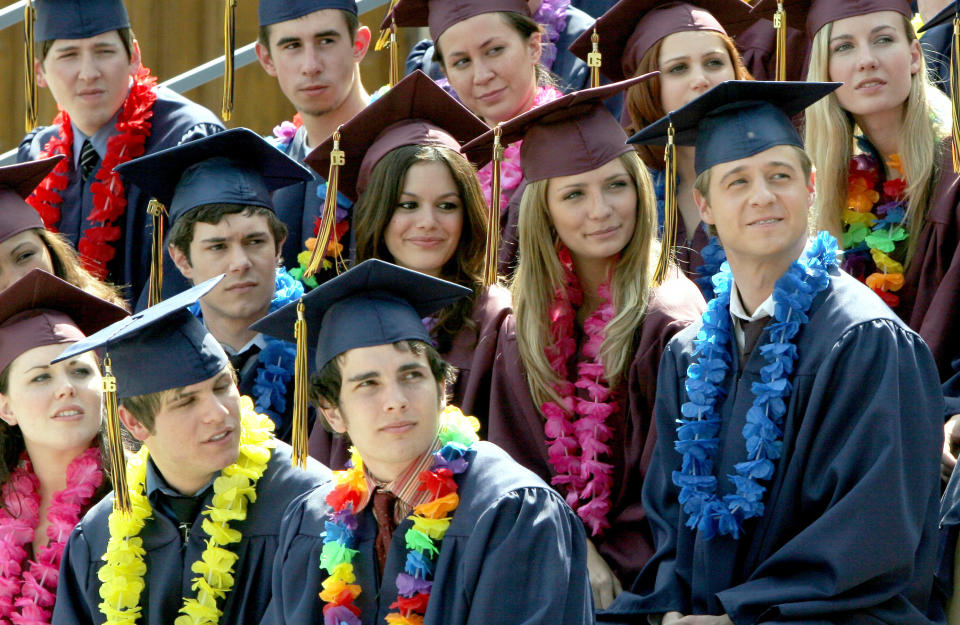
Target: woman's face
490	66
594	213
21	253
425	227
690	63
871	55
55	406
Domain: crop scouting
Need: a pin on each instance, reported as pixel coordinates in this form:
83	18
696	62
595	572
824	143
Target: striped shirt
404	486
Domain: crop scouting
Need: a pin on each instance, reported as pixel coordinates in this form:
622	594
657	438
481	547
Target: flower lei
873	225
552	15
510	172
575	446
27	597
96	246
123	569
430	523
699	427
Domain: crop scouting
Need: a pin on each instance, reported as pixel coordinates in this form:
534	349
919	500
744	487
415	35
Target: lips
426	241
69	413
766	221
605	232
398	427
241	286
491	96
870	83
220	436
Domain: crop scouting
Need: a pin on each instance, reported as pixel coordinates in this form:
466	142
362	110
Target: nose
426	218
698	80
395	399
762	194
482	72
599	208
312	65
239	259
89	70
215	409
867	59
65	387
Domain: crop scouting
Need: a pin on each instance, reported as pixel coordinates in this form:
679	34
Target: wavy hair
66	266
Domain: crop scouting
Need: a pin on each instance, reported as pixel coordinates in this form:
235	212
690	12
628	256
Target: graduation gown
514	553
516	423
297	205
175	120
848	534
168	576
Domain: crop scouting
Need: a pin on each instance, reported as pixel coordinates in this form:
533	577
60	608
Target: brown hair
126	38
181	233
11	438
66	266
375	208
353	25
643	100
144	408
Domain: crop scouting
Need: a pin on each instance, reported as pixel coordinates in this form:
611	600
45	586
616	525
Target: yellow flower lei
122	573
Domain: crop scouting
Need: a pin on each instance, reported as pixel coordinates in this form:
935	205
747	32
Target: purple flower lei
699	427
552	15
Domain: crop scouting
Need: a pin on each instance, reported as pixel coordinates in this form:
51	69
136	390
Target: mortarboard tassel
329	216
593	59
29	73
388	39
669	209
780	25
229	44
118	462
157	211
491	252
955	91
300	435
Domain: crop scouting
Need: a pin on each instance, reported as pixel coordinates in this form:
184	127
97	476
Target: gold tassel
229	45
300	436
29	73
491	252
118	462
329	217
780	24
157	212
669	209
388	39
594	59
955	92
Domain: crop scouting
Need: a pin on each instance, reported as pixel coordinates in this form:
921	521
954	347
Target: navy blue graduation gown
849	530
169	577
514	553
175	120
297	205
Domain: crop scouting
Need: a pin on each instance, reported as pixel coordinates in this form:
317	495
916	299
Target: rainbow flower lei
121	575
699	427
430	523
873	225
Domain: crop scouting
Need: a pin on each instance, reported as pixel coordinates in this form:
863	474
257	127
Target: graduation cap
236	166
942	18
415	112
439	15
624	34
374	303
276	11
41	309
17	182
161	348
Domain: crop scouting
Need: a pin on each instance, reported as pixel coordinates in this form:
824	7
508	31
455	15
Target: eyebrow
737	170
369	375
482	45
259	233
873	31
414	195
20	245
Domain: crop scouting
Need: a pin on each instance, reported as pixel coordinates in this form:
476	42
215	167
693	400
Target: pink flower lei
27	596
576	428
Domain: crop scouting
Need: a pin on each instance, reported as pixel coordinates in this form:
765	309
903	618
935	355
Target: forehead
476	31
613	167
235	224
867	22
381	359
109	38
305	26
686	42
777	155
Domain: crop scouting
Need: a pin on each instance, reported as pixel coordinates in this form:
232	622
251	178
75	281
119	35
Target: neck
386	472
183	484
50	467
232	331
883	130
591	273
320	127
755	279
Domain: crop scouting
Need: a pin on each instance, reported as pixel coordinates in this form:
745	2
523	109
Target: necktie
241	360
89	159
383	504
751	334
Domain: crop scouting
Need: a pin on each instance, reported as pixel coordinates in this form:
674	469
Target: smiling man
429	524
206	490
111	111
796	470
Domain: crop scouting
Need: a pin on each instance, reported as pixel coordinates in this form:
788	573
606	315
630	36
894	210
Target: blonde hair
829	139
539	275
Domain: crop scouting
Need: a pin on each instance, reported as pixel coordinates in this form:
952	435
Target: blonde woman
574	379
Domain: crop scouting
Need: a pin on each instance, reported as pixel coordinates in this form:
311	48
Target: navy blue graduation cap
275	11
736	119
78	19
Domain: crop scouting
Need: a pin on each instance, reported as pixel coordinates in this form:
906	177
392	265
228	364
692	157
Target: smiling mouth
869	84
219	437
67	414
765	222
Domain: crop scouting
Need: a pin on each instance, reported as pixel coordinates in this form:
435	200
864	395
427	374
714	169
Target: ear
334	418
137	429
706	215
361	43
535	47
266	61
916	57
6	411
41	77
135	57
181	261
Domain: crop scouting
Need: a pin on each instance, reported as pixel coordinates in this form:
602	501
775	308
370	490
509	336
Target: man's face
759	206
314	59
89	78
242	247
196	432
389	406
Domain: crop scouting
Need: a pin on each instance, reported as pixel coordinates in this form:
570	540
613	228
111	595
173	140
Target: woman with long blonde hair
573	383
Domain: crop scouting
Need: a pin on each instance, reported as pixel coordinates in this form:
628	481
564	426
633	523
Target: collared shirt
259	341
99	138
159	492
739	314
404	486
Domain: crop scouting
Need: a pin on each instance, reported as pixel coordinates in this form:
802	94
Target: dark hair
66	266
375	208
126	38
11	438
325	384
353	25
144	408
181	234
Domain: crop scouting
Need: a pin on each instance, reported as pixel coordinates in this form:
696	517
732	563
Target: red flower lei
27	597
575	446
109	196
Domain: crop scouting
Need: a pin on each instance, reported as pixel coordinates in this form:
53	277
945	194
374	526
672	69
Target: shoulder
494	302
177	119
847	303
677	298
577	23
283	480
32	144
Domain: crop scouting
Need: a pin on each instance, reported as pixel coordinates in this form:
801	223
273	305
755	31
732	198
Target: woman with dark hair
25	244
50	467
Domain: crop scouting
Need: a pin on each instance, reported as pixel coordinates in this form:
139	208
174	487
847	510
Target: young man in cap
112	111
314	49
795	474
194	529
218	192
486	541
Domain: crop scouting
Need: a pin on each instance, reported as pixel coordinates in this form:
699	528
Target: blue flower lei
699	427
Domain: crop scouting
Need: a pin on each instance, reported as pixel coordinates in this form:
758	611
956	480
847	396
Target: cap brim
23	178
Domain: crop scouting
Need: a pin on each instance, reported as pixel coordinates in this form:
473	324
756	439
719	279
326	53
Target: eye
495	50
883	39
408	206
617	184
448	206
572	195
25	256
843	46
256	241
679	68
39	378
461	63
216	247
83	372
292	45
327	41
716	62
413	376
